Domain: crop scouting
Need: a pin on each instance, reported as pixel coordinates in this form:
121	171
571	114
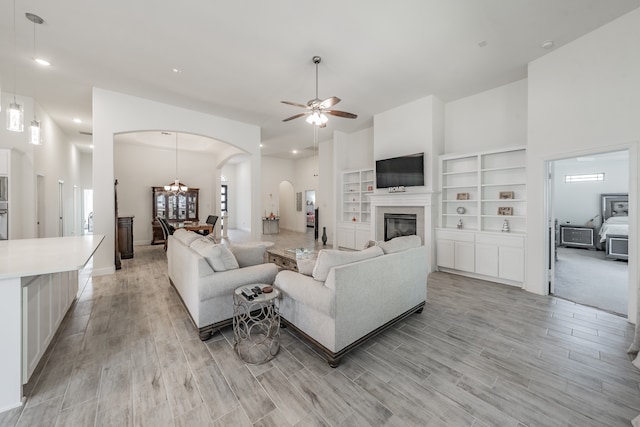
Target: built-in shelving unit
354	223
483	212
482	190
356	187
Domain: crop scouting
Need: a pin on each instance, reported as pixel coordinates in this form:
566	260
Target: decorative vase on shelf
459	226
505	226
324	236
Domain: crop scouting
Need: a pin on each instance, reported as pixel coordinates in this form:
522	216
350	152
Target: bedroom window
584	177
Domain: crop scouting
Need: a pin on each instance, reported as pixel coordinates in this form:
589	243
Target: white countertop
30	257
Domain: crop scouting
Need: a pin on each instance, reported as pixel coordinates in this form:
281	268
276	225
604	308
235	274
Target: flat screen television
407	171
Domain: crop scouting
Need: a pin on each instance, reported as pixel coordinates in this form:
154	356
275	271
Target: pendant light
34	128
176	187
15	113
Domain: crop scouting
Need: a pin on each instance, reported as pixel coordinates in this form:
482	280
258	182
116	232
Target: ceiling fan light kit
318	109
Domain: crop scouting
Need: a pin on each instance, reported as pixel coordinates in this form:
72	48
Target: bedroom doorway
588	208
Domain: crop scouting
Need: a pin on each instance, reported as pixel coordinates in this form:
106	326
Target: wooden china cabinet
182	207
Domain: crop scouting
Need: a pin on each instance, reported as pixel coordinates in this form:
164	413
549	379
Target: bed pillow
218	256
618	220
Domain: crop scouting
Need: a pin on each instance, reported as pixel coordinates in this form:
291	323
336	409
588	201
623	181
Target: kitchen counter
39	281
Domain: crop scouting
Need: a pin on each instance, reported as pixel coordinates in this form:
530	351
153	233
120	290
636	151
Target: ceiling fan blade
329	102
341	114
295	104
296	116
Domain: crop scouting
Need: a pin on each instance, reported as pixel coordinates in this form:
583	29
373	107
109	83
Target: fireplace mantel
402	199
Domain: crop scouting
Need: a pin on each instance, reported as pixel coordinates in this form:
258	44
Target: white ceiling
240	58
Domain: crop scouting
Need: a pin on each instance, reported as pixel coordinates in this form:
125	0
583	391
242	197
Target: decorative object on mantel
460	210
505	226
399	189
354	219
324	236
459	226
462	196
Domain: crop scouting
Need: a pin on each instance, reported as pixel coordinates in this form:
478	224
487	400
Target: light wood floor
480	354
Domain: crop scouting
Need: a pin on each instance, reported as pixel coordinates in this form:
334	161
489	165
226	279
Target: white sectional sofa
348	297
205	275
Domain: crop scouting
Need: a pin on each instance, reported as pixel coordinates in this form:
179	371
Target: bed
614	233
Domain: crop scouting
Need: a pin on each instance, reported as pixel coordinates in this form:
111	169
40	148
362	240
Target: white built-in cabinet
483	215
45	299
354	226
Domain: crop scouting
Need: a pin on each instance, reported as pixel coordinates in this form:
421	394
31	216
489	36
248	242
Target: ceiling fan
318	109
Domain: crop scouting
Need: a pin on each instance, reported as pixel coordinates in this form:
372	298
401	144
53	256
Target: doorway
581	268
310	198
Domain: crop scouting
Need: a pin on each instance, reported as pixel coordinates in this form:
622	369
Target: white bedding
615	225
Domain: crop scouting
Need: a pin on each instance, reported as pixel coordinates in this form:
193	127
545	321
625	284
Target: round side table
256	325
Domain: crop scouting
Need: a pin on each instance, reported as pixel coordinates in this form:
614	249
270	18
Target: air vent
85	133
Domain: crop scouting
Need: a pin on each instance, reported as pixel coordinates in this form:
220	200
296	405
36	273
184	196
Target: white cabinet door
465	256
487	259
363	235
511	262
346	237
445	253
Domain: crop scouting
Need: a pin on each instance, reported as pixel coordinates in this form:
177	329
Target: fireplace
397	224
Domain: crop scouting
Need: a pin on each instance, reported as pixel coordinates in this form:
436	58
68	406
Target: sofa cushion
248	254
399	244
185	236
306	266
329	258
218	256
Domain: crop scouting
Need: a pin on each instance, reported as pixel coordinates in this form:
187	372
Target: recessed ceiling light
295	151
42	62
261	145
547	44
77	120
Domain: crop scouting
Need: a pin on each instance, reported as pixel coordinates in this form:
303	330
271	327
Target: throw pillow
248	254
185	236
329	258
306	266
218	256
370	244
399	244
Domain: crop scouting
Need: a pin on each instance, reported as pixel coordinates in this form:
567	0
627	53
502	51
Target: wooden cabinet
125	237
174	207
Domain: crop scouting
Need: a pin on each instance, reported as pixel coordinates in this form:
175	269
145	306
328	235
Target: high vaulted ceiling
239	59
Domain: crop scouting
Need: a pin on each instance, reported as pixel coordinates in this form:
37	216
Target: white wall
412	128
138	168
56	159
325	194
274	171
578	202
229	171
247	216
583	98
115	113
492	119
